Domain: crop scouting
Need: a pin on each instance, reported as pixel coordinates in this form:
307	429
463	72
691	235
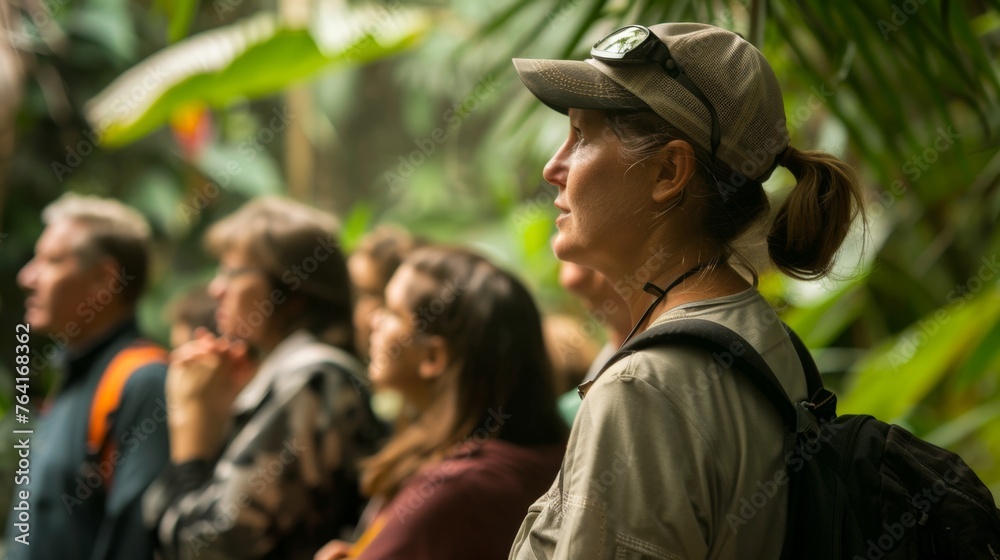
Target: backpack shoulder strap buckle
805	420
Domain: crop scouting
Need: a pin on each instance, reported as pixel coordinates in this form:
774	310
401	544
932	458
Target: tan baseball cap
733	75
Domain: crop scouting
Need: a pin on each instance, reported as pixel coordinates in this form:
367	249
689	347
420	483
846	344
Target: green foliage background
411	114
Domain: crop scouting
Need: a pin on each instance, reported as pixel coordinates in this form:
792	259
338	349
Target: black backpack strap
822	402
729	350
813	380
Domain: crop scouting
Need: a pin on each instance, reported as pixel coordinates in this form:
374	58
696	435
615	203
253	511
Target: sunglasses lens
622	41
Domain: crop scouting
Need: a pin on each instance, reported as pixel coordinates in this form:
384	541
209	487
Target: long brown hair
807	229
499	383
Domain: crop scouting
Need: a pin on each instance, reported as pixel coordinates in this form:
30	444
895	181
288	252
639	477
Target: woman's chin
564	249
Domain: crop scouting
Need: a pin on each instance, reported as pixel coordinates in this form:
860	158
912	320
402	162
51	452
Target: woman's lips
563	212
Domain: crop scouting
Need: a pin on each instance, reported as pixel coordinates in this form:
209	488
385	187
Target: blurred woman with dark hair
268	421
479	438
371	265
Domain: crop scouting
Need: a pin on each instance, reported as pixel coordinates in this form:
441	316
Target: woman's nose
217	287
556	169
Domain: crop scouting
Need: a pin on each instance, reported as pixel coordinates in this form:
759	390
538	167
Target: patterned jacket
286	481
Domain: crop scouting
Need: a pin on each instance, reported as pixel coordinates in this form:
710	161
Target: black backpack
859	489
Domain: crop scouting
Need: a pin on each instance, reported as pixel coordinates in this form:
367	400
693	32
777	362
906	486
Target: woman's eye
578	135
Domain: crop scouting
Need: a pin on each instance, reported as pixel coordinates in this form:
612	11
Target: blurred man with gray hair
103	437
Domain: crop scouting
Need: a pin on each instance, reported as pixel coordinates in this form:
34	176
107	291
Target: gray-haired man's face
59	281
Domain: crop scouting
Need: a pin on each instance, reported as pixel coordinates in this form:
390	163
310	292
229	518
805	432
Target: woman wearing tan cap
673	129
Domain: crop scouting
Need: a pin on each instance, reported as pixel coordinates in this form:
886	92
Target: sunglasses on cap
635	44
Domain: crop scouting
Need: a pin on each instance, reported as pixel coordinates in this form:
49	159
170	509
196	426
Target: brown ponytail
814	219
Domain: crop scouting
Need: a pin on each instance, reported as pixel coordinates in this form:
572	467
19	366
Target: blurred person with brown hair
604	306
570	348
480	437
268	420
371	265
101	440
189	312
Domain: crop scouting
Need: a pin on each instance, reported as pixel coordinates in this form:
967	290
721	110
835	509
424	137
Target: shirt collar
277	361
79	362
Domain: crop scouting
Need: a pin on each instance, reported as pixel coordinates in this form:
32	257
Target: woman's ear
435	359
676	161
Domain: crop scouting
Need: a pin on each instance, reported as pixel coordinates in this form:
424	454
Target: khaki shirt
673	456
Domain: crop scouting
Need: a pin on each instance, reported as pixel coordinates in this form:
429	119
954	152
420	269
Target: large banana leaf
244	60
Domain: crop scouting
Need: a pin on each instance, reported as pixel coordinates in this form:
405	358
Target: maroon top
466	508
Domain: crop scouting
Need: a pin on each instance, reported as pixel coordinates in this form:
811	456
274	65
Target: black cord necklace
660	293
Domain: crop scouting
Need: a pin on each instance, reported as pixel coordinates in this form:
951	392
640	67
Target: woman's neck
697	277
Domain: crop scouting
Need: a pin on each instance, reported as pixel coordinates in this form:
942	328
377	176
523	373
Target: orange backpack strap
108	397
